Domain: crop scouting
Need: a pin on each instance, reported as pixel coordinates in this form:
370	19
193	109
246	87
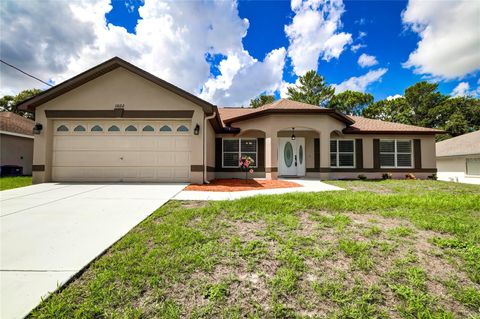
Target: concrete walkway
307	186
49	232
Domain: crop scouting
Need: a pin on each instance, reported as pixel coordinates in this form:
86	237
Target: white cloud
313	33
463	89
284	88
357	47
360	83
361	35
366	60
243	78
450	37
393	97
171	41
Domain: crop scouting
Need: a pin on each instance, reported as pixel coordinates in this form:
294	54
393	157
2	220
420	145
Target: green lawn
385	249
14	182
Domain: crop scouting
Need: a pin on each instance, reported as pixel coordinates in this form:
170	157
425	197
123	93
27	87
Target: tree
424	106
312	90
396	110
8	103
351	102
457	116
262	100
422	98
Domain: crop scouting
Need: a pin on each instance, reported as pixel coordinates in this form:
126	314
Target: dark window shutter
376	153
359	153
218	153
261	152
417	153
316	153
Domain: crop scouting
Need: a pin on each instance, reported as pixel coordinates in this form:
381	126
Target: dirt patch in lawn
236	185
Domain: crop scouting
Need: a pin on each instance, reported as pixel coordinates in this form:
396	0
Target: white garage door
121	150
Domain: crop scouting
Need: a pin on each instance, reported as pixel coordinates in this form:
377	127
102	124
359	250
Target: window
182	128
234	149
79	128
165	128
130	128
396	153
114	128
96	128
148	128
62	128
473	166
342	153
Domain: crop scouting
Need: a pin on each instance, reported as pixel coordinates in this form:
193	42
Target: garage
123	150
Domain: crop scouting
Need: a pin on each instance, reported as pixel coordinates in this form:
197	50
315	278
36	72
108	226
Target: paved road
49	232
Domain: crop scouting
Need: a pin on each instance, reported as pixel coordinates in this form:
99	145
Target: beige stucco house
16	142
458	159
116	122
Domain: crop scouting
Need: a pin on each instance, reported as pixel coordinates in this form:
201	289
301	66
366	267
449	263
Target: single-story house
458	158
16	142
117	122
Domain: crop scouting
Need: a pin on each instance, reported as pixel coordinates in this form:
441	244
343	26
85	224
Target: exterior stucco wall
427	146
453	169
103	93
210	152
16	150
322	126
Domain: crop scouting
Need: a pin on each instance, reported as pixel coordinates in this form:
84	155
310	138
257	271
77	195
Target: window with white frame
396	153
342	153
473	166
234	149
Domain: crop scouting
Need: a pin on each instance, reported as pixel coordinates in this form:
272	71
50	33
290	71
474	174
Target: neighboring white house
458	159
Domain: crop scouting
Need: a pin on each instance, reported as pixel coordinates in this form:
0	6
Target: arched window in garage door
148	128
62	128
182	128
165	128
79	128
130	128
96	128
114	128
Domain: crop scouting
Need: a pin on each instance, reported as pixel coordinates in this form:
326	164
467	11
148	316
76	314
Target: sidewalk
307	186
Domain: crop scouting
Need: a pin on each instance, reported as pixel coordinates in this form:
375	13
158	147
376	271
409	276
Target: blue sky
230	52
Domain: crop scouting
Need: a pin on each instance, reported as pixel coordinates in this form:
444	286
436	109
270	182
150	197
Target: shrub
410	176
362	177
433	177
387	176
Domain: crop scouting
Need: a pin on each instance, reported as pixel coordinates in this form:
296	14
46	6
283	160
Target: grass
14	182
401	249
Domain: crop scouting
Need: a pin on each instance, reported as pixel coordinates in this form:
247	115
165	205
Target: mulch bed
236	185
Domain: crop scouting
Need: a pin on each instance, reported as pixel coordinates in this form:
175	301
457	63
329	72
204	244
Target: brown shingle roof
14	123
466	144
371	126
361	124
230	115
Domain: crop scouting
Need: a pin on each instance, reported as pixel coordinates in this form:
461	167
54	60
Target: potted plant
246	162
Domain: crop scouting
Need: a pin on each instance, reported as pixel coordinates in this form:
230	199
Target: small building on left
16	144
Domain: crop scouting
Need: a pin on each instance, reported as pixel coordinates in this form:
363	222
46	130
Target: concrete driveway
49	232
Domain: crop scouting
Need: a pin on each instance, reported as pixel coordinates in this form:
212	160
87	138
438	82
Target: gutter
205	180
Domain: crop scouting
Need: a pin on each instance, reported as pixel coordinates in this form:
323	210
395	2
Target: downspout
205	180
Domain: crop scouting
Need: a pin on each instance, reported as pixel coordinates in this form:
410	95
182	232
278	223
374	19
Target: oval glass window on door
300	154
288	154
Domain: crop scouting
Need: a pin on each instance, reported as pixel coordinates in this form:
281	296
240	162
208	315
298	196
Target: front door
291	157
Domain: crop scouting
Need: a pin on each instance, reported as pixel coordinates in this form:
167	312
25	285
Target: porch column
324	155
271	155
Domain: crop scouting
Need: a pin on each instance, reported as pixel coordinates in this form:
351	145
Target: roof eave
350	131
102	69
339	116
